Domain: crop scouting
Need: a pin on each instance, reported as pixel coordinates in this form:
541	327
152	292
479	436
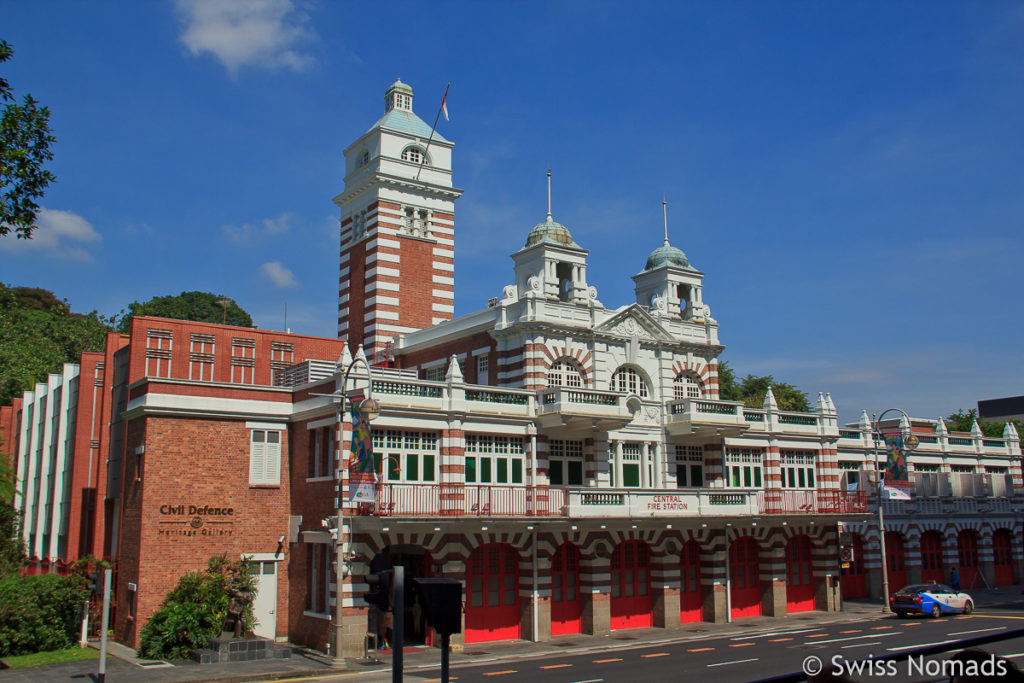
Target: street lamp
369	409
910	442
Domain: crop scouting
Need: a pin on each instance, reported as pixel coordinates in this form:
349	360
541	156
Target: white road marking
847	647
1019	654
910	647
738	661
980	630
843	640
590	680
778	633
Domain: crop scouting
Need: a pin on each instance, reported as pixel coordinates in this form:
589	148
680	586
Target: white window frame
265	456
565	373
630	380
483	369
744	467
489	454
687	385
561	456
398	452
798	469
689	459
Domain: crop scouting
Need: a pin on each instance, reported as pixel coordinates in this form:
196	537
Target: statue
234	620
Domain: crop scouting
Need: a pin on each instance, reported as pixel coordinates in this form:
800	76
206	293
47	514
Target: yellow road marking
657	654
556	666
605	661
995	616
702	649
743	644
856	630
501	673
880	628
429	680
779	640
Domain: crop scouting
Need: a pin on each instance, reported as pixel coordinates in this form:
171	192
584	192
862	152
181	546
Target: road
751	657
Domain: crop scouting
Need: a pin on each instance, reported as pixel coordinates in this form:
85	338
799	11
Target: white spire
549	193
769	400
344	360
454	371
940	427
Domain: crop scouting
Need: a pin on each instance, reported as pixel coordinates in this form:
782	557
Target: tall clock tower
397	266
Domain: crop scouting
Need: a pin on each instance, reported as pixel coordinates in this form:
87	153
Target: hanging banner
896	484
362	480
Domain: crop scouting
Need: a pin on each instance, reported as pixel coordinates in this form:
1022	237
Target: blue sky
849	176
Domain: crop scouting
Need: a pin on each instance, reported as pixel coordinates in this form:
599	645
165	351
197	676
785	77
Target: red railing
466	500
780	501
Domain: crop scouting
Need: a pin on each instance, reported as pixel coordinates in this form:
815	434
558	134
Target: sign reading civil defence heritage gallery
202	520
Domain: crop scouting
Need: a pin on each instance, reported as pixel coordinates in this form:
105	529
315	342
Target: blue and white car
935	599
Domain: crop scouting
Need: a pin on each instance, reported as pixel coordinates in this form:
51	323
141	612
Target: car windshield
941	588
914	590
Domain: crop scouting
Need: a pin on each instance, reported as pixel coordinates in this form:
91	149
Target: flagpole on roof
436	119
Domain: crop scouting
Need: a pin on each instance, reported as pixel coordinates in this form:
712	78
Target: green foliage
25	140
38	334
752	390
39	613
963	422
70	654
194	610
197	306
12	546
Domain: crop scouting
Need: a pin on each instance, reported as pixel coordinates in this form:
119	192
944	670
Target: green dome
667	255
400	86
550	231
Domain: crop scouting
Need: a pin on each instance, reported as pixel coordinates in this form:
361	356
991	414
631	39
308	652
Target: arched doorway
799	575
931	557
492	593
566	608
631	604
854	581
1002	557
744	578
895	561
967	552
691	602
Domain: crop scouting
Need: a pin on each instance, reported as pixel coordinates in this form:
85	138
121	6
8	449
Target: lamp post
910	442
369	409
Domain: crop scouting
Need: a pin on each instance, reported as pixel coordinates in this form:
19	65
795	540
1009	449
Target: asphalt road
760	655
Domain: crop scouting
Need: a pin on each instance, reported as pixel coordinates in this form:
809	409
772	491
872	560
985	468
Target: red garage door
566	612
855	584
631	604
745	578
931	557
799	575
967	550
492	600
895	561
1002	557
691	603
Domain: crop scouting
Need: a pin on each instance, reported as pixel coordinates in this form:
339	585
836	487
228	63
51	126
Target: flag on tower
444	103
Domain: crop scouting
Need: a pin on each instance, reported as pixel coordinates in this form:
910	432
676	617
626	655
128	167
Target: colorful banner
362	480
896	484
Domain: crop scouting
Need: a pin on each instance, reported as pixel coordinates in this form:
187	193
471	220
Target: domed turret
666	255
552	232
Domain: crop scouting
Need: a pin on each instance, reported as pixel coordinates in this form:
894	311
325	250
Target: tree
25	141
964	422
38	334
196	306
752	390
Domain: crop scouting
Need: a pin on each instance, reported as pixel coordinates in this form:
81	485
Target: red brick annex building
571	464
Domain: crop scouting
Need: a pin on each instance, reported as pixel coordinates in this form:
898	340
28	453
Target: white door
264	607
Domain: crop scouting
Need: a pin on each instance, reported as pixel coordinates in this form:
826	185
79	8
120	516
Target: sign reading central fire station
195	520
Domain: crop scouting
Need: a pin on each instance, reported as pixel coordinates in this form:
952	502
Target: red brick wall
465	345
203	462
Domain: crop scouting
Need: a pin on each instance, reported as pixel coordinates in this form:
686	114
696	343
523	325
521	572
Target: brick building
571	464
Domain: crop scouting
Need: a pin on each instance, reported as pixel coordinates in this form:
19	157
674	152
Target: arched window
565	373
687	385
630	381
414	155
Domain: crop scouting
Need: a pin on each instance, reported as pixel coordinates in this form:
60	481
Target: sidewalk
123	664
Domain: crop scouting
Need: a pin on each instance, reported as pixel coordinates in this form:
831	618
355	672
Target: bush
193	611
39	613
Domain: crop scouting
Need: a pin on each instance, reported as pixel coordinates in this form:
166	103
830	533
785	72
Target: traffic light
96	582
379	580
441	600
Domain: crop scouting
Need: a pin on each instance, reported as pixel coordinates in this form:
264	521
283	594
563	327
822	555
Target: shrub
193	611
39	613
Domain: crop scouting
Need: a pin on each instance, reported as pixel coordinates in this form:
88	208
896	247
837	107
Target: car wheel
936	611
968	607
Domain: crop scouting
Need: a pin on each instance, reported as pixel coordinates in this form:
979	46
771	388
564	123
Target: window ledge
316	615
316	479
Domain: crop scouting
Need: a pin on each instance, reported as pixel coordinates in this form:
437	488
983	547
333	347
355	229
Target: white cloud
59	234
278	274
240	234
264	33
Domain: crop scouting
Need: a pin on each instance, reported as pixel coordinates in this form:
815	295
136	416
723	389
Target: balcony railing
793	501
465	500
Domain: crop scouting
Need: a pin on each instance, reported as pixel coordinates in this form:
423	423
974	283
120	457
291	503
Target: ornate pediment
634	321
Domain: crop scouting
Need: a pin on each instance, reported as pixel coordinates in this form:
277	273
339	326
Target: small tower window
413	155
364	158
564	273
